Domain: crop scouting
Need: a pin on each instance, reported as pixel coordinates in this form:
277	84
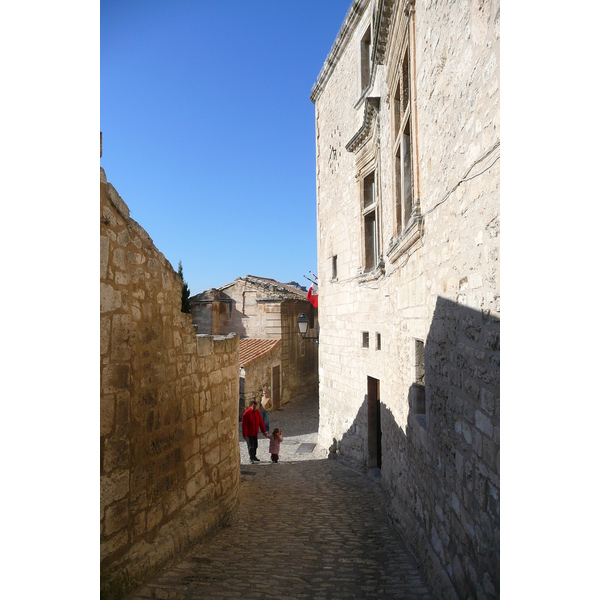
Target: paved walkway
307	528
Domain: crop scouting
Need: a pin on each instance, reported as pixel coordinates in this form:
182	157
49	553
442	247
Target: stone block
115	377
115	518
115	454
139	525
212	457
120	332
488	401
478	443
104	334
192	487
484	424
107	413
113	488
204	345
104	248
193	465
118	260
122	278
109	546
489	452
154	516
175	501
110	299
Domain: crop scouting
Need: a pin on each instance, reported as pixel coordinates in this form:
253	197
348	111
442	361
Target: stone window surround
370	213
404	239
365	71
367	164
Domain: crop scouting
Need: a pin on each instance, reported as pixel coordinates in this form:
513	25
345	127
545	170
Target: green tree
185	291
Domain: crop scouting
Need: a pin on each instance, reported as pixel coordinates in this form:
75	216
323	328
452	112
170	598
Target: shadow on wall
440	463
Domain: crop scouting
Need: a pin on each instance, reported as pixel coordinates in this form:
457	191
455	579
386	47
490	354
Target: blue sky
209	132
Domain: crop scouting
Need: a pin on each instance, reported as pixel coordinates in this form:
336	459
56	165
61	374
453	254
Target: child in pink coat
275	438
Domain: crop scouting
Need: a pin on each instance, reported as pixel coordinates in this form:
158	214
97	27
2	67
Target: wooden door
374	423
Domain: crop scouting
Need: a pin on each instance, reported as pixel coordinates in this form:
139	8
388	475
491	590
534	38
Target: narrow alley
307	527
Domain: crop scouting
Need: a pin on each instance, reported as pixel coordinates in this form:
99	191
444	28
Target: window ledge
373	274
409	236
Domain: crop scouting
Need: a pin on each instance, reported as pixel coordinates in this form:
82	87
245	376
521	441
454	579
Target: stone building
408	147
262	309
169	450
260	362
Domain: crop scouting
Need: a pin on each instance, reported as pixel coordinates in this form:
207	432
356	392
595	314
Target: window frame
365	339
402	122
370	214
408	221
366	50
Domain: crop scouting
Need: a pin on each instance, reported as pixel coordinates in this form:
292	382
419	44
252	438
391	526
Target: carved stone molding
366	129
373	274
412	233
384	17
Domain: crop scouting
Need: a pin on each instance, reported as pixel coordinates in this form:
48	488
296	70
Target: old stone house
263	310
169	451
408	147
260	362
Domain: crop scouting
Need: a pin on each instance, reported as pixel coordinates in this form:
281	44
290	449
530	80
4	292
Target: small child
275	438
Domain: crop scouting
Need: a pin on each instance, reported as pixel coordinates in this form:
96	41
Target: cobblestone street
307	528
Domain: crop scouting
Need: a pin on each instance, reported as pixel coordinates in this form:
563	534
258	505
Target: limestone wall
259	375
168	410
440	468
299	358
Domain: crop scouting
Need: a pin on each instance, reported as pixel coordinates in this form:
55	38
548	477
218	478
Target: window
369	190
334	267
370	241
365	60
378	341
369	206
402	143
365	339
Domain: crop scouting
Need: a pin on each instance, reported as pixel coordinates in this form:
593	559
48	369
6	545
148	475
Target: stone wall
439	466
168	410
299	358
259	375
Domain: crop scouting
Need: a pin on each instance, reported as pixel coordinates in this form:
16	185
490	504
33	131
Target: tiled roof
252	349
273	290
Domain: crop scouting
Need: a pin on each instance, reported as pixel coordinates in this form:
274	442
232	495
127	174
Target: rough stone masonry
408	218
169	453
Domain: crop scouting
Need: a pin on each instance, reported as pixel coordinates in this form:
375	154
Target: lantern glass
302	324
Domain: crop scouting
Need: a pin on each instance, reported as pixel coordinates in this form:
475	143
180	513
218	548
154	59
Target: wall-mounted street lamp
303	328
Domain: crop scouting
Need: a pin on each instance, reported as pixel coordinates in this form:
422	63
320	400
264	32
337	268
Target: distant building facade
408	147
260	363
262	309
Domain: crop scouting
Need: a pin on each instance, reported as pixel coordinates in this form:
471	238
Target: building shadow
435	449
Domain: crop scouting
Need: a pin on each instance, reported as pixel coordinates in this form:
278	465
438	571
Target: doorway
373	424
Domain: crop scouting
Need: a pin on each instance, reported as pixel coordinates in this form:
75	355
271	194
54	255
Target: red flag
313	295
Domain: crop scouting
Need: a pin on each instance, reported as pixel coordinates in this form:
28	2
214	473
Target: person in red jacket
251	422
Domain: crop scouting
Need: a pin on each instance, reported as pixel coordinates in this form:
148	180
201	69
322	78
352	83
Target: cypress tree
185	291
